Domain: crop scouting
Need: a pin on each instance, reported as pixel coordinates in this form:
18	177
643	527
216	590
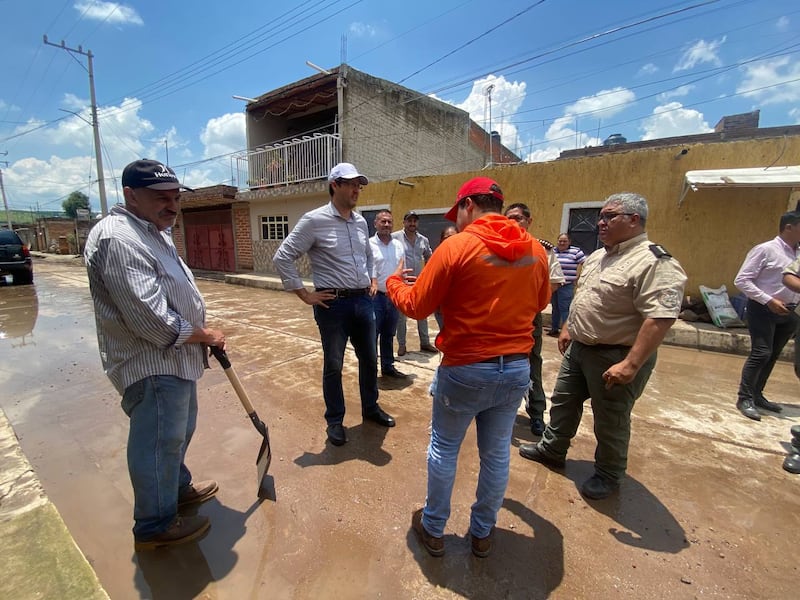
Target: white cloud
224	135
565	132
359	29
672	119
782	24
699	53
111	12
772	81
678	92
648	69
795	115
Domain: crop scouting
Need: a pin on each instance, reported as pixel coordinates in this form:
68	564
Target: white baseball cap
346	171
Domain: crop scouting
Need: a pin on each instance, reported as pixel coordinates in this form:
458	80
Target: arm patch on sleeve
659	251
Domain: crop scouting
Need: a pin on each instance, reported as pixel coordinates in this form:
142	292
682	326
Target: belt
345	293
791	306
505	358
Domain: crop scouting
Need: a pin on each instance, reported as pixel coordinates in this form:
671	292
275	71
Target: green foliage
75	201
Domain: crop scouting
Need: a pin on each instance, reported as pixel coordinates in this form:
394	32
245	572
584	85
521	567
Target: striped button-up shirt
146	302
338	248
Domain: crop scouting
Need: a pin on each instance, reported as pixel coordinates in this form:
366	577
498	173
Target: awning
786	177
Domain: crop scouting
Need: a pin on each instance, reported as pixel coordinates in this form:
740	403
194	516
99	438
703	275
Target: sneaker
195	493
482	547
428	348
434	545
598	487
182	529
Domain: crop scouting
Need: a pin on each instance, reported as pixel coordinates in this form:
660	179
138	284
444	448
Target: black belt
505	358
345	293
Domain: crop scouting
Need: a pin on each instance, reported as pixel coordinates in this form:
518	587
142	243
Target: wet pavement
706	510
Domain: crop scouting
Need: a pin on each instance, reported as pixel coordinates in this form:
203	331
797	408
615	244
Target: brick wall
243	236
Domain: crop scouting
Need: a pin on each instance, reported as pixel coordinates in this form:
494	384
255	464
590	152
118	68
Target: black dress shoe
598	487
337	435
748	409
795	431
377	415
792	463
532	452
767	405
393	373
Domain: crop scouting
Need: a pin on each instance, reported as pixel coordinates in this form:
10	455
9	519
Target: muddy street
706	510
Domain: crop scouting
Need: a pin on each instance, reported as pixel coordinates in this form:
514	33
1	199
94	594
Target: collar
623	246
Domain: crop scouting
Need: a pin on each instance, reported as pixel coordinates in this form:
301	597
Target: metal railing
307	158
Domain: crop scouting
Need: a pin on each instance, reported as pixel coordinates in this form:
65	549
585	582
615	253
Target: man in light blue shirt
336	239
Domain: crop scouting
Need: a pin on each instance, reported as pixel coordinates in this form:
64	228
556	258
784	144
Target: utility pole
488	92
3	192
98	151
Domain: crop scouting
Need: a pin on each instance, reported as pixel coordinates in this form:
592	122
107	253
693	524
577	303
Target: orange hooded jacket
489	281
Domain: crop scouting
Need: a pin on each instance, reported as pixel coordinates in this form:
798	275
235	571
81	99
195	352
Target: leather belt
505	358
345	293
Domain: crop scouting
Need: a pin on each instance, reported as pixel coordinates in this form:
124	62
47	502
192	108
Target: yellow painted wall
709	233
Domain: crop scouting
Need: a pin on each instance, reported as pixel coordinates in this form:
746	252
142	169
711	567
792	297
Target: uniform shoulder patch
659	251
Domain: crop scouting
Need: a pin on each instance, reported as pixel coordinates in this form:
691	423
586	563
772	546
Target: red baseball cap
478	186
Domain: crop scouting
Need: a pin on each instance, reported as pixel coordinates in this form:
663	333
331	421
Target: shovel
265	485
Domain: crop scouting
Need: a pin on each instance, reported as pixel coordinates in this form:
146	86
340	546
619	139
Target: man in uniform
535	402
629	295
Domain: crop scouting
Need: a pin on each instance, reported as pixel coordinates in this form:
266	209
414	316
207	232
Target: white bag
720	308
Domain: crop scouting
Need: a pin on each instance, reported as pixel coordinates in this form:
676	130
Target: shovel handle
222	357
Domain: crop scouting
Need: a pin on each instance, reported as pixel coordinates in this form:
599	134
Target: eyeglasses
517	218
608	217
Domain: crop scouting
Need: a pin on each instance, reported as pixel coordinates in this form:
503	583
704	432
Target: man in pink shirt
771	319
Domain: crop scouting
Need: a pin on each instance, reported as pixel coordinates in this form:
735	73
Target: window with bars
274	227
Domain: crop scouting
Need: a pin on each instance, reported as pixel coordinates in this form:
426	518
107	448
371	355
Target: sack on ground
720	308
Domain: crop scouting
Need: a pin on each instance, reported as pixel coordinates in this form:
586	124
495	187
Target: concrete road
706	510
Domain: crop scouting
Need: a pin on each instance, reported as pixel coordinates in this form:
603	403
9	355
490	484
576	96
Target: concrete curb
38	557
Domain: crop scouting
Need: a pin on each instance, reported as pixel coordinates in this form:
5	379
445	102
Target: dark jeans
385	328
535	402
354	319
768	335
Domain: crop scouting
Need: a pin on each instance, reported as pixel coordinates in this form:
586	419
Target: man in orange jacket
488	280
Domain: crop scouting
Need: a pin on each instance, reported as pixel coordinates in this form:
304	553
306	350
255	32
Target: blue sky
565	74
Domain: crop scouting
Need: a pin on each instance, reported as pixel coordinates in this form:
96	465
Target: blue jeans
561	300
354	319
491	394
385	328
163	416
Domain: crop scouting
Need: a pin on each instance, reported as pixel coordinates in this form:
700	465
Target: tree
75	201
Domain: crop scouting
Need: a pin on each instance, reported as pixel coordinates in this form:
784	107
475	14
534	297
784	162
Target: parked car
15	259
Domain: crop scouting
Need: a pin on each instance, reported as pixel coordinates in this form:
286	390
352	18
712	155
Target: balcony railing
307	158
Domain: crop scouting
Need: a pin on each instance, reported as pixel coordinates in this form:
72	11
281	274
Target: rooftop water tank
614	139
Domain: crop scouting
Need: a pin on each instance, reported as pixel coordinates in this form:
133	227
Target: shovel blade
266	486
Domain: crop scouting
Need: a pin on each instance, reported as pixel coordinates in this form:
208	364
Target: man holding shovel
151	332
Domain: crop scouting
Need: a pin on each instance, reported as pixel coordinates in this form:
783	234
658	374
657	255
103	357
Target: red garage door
209	240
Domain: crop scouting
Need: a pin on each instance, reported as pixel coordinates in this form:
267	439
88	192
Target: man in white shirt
387	253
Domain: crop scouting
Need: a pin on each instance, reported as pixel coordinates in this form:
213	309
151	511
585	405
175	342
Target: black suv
15	258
